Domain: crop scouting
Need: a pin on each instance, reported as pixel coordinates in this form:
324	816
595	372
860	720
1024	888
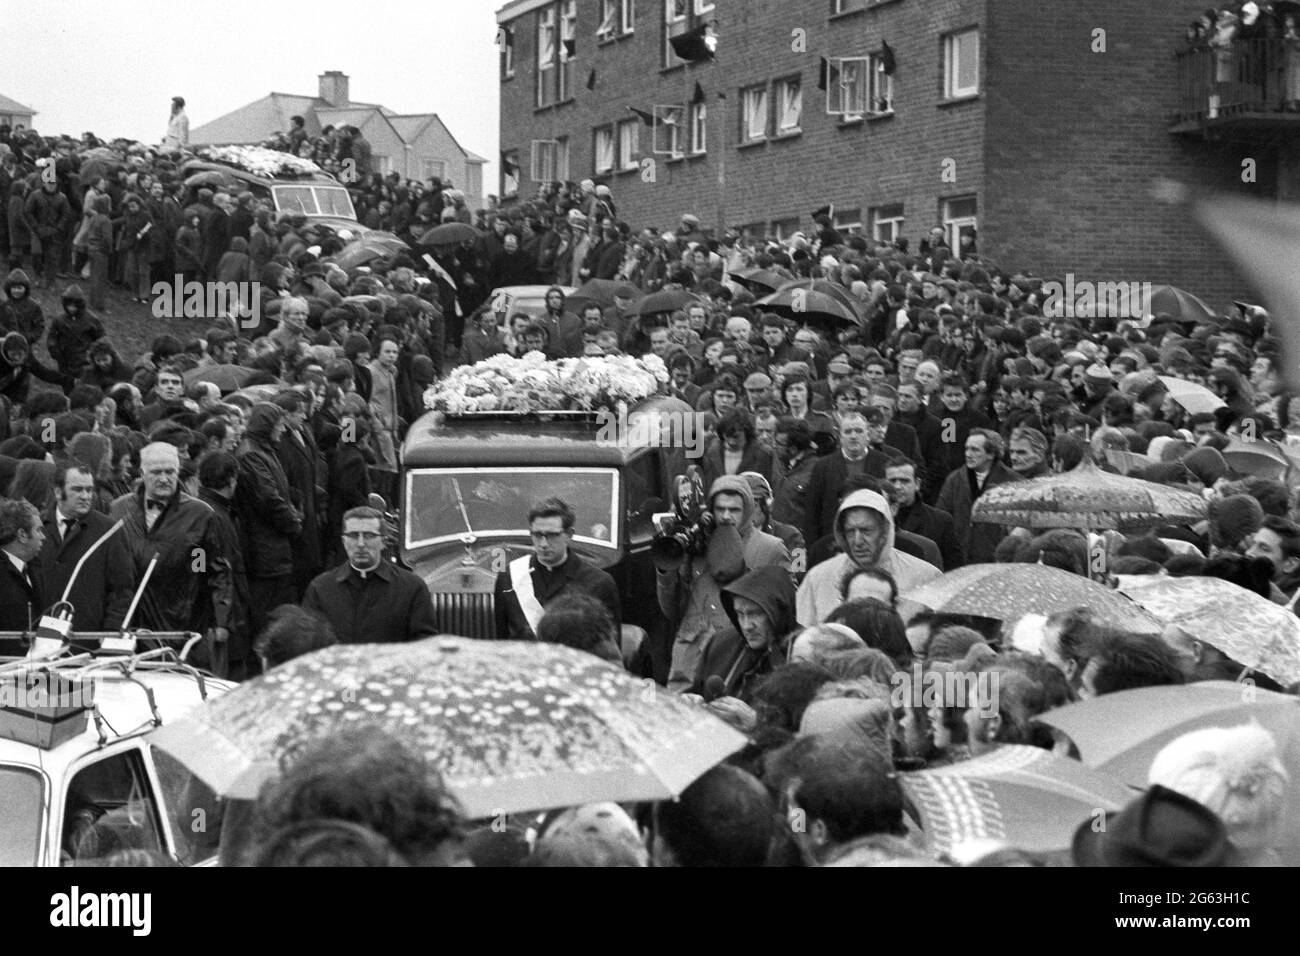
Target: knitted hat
1098	374
1206	464
1234	518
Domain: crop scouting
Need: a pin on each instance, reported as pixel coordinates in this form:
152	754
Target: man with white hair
191	587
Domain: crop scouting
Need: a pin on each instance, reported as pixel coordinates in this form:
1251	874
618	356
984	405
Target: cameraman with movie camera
708	543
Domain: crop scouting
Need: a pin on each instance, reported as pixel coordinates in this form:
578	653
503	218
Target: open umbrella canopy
814	299
593	292
449	233
1007	592
1026	797
1180	304
1260	458
228	378
1086	498
259	393
512	726
761	281
1250	629
210	177
368	248
665	300
1192	396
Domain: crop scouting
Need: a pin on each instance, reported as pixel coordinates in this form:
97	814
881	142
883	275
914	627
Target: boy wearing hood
72	333
690	589
20	313
864	530
18	365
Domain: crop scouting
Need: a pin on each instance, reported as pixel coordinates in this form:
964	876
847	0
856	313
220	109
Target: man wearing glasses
366	599
533	581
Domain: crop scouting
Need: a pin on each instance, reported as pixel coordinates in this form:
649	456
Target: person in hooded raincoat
866	542
761	607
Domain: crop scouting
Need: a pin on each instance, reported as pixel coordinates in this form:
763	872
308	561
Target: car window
110	807
21	793
334	201
193	809
642	478
296	199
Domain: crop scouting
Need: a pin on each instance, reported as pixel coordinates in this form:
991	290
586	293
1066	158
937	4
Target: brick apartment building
1040	126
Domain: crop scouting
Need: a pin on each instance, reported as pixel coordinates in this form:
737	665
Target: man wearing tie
106	583
192	588
21	598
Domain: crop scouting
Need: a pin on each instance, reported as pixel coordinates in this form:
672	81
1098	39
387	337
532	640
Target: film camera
685	530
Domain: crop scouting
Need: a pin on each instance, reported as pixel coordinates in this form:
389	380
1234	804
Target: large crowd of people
843	465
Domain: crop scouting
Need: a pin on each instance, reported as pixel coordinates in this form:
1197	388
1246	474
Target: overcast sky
113	67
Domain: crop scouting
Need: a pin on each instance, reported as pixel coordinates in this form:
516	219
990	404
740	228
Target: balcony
1247	87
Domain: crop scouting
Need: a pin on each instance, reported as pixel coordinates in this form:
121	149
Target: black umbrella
368	248
761	281
448	234
665	300
593	292
811	306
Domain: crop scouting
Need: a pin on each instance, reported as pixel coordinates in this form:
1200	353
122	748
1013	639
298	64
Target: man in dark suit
305	470
21	597
983	470
829	475
914	515
103	589
533	581
776	350
929	432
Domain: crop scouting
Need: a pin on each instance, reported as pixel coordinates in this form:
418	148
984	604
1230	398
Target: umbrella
1194	397
448	234
1128	461
258	393
210	177
512	726
665	300
593	292
833	290
1008	592
1250	629
761	281
1182	305
228	378
371	246
92	169
804	305
1026	797
1261	458
1086	498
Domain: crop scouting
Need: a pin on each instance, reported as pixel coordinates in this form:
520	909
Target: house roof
411	125
13	106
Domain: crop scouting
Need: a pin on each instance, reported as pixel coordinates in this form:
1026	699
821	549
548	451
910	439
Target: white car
79	781
511	300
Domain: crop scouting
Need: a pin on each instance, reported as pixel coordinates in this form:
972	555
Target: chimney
334	88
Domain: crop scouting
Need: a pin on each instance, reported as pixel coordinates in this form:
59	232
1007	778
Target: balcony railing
1248	82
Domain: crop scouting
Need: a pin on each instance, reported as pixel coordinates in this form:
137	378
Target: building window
958	220
507	52
676	22
549	160
669	130
617	17
699	127
704	6
629	133
886	222
848	86
381	164
433	168
784	228
789	105
880	92
604	152
847	6
961	64
546	56
510	173
568	38
753	114
847	222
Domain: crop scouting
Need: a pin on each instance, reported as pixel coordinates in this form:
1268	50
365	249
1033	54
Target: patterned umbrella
1250	629
1086	498
512	726
1193	396
1007	592
1026	797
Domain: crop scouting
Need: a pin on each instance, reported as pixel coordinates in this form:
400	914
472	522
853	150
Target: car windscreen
21	793
295	199
444	504
334	201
